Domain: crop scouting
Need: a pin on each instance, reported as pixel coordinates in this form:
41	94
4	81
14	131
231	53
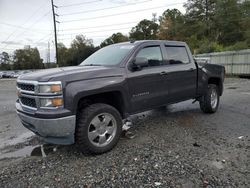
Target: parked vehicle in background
6	75
86	104
13	74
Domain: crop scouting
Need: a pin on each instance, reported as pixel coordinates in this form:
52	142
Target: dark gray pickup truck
87	104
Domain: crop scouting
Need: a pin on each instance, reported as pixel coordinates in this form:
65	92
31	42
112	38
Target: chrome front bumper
56	131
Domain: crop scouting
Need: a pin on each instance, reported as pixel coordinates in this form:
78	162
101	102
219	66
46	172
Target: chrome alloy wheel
214	98
102	129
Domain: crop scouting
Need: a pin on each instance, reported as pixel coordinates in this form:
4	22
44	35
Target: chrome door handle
163	73
191	69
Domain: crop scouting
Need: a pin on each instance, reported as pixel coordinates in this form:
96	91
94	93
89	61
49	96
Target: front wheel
98	129
209	103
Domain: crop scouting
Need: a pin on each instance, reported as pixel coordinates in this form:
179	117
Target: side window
153	54
177	55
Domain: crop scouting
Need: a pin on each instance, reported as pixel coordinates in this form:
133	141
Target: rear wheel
209	103
98	129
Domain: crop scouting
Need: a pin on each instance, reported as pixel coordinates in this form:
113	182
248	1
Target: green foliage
199	18
50	65
27	58
80	49
209	25
5	63
171	25
145	30
63	55
238	46
115	38
227	22
207	46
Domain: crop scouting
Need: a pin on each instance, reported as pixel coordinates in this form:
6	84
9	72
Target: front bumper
56	131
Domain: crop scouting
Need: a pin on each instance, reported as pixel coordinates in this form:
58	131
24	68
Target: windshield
108	56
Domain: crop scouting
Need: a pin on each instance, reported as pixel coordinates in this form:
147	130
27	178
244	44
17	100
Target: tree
80	49
227	22
199	17
115	38
144	30
245	21
5	61
62	55
171	25
27	58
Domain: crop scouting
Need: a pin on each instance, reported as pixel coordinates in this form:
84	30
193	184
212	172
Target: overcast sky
29	22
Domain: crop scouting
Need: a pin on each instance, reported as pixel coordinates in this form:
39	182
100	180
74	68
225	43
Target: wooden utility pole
48	54
54	20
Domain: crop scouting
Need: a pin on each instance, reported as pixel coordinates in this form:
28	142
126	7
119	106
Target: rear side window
177	55
153	54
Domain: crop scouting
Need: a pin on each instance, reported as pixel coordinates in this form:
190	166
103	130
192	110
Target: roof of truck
167	42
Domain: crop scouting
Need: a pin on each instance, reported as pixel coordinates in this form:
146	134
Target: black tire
84	119
206	102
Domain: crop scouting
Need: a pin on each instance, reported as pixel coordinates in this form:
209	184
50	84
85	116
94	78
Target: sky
30	22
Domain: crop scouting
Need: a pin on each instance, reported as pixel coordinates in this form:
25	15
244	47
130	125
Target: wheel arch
112	98
218	82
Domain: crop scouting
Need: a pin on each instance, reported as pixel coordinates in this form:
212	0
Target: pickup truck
87	104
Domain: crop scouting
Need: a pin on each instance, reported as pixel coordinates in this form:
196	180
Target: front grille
28	102
26	87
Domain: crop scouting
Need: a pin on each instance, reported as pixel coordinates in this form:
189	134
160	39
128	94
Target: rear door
181	74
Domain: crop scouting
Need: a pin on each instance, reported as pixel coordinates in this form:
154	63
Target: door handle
191	69
163	73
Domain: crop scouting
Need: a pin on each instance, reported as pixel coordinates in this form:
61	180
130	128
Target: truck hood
71	73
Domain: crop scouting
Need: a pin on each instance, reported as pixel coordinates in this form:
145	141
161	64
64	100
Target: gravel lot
174	147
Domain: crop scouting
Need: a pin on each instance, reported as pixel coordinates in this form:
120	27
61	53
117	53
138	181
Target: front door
146	86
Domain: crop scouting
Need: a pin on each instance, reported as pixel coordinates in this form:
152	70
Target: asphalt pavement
177	146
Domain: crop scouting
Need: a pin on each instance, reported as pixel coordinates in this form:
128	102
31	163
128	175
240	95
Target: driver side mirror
139	62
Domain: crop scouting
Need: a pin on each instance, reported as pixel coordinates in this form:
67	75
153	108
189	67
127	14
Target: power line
35	12
28	27
44	37
109	25
221	22
97	36
76	4
21	27
97	31
110	15
107	8
36	42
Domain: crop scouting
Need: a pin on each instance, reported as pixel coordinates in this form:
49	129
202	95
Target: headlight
51	102
50	88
